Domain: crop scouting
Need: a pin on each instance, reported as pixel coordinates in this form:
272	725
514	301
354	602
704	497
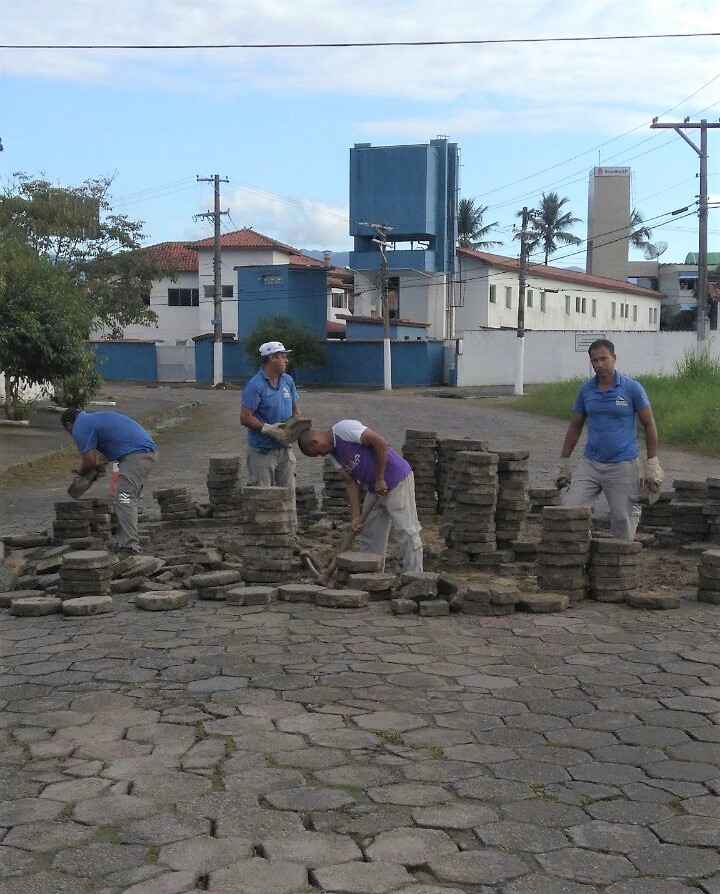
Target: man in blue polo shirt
114	437
268	399
610	402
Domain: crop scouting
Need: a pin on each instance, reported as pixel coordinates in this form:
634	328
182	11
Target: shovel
325	576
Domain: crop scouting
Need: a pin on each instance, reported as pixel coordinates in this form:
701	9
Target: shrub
305	347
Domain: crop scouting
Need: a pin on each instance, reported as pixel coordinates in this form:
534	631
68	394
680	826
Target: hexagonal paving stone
95	860
204	854
304	798
312	849
163	883
76	789
539	883
703	831
111	809
27	810
411	794
411	847
671	860
618	810
615	838
385	721
164	828
655	886
260	877
362	878
454	815
486	867
512	837
587	866
47	836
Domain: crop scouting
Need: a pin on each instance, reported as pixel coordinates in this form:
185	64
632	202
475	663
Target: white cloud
542	87
300	222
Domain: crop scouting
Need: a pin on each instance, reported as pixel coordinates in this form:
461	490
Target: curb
149	422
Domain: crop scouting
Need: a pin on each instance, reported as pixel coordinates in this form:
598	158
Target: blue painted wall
363	331
414	190
358	363
266	291
126	361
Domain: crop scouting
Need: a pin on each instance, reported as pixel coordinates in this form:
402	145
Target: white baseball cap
273	347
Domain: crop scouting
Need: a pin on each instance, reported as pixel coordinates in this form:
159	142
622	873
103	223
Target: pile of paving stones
709	574
447	450
658	516
689	522
266	536
427	594
356	562
73	520
469	519
500	596
512	499
307	505
614	569
711	510
334	499
222	484
213	586
420	450
176	504
540	497
564	550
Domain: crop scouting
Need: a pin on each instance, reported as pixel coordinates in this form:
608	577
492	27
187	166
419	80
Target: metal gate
176	363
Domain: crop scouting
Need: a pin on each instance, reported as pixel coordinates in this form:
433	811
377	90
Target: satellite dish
653	251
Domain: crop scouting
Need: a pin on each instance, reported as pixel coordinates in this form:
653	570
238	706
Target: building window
635	313
271	280
338	300
577	304
225	291
584	305
183	297
613	312
529	297
493	294
543	303
594	307
508	296
567	304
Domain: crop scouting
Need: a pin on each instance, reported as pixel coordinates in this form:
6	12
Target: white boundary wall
489	356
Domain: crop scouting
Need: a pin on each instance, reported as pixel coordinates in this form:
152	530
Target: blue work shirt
612	435
113	434
268	403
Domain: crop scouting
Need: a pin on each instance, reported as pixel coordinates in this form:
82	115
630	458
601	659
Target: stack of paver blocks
175	504
564	550
212	586
73	520
103	518
334	501
709	573
540	497
427	594
420	450
657	516
447	450
512	499
712	510
267	535
307	505
614	569
85	582
470	518
688	519
223	484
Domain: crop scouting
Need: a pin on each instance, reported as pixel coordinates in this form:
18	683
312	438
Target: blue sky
279	124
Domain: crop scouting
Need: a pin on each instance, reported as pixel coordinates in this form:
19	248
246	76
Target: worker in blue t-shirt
610	402
269	399
114	437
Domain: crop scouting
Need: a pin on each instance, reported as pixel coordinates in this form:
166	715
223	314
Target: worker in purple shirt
374	471
609	403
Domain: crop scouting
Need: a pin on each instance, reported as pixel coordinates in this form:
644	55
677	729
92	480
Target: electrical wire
487	41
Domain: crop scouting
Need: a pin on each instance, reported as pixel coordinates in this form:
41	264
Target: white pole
387	365
217	362
519	367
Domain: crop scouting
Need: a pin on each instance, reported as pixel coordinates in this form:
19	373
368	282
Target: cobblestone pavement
215	428
293	749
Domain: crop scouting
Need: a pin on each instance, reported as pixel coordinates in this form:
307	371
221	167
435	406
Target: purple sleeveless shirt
360	463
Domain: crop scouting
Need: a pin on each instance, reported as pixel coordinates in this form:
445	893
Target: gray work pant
619	482
276	468
134	469
396	510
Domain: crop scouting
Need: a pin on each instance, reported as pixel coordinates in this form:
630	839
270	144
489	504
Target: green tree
472	231
640	234
550	225
43	329
77	230
306	349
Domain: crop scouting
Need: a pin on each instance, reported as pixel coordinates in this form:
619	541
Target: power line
487	41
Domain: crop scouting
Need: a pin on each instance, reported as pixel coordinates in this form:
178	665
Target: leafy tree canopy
307	350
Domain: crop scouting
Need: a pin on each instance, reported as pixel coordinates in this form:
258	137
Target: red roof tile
559	273
175	255
249	238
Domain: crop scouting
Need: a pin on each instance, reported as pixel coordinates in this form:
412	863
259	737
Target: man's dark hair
601	343
303	442
68	418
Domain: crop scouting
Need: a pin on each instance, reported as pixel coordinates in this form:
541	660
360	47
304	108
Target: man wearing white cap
268	399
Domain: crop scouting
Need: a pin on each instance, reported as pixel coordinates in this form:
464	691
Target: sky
279	123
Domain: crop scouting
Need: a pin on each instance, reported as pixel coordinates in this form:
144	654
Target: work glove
276	430
652	478
564	474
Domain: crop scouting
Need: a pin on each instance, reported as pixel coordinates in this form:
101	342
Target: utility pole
216	214
522	282
702	281
381	240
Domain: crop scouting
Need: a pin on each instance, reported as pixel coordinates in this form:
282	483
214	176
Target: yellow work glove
564	474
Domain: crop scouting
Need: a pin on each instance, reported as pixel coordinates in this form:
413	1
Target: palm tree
472	232
640	235
550	227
